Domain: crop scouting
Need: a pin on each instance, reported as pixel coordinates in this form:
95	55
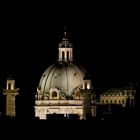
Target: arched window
54	94
85	85
9	86
63	55
77	94
67	55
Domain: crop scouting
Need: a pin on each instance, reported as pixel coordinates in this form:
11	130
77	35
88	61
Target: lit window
54	94
77	94
85	85
9	86
68	55
63	55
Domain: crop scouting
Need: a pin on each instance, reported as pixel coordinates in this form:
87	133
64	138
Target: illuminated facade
65	88
119	96
11	92
61	86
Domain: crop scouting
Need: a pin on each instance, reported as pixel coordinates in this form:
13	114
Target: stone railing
58	102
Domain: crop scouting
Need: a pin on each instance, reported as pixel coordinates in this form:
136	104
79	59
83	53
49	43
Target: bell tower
10	92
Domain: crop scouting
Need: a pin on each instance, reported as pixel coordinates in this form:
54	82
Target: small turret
11	92
86	97
87	82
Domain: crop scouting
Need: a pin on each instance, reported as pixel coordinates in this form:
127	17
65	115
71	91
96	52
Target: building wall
42	111
118	97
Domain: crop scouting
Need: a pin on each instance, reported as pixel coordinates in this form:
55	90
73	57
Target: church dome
63	76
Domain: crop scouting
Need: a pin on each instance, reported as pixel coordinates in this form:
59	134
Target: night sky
105	41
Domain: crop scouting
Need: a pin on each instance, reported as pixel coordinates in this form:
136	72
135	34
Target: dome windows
54	93
77	93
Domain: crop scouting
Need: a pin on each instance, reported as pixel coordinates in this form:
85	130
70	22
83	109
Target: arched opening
54	94
85	85
78	94
67	55
9	86
63	55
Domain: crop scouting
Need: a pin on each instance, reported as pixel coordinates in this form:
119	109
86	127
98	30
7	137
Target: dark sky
104	37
